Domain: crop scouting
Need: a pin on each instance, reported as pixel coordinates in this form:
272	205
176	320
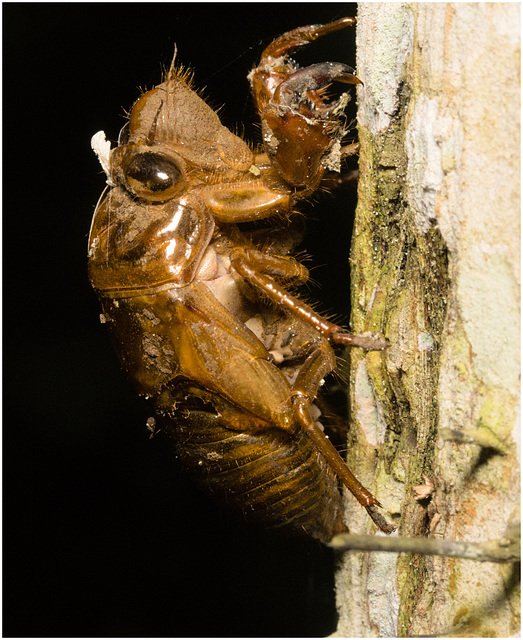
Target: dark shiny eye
152	177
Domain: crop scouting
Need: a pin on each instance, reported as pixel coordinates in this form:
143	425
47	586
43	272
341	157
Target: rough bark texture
435	268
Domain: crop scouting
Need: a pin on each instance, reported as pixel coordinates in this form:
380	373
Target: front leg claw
302	91
302	129
370	340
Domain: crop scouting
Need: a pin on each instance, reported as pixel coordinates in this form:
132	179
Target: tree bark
435	268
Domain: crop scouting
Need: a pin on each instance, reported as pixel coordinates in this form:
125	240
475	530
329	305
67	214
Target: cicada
190	252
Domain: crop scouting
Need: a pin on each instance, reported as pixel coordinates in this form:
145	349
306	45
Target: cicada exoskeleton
194	285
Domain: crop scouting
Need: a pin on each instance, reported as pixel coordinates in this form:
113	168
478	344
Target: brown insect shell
149	259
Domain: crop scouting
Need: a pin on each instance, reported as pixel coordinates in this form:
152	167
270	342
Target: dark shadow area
103	534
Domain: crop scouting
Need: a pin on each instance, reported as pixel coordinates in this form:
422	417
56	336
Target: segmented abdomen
271	478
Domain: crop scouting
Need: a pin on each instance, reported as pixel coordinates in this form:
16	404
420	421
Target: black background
103	535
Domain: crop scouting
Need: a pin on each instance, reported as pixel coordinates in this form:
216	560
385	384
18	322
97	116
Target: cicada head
173	119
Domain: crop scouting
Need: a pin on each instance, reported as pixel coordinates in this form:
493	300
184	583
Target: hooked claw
302	129
307	85
370	341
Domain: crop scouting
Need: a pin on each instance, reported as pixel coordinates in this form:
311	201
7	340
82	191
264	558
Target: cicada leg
251	270
299	124
319	364
285	267
291	40
274	68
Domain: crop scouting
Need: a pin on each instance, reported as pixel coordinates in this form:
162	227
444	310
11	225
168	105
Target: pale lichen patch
370	415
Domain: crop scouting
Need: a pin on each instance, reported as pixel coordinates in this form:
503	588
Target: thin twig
506	550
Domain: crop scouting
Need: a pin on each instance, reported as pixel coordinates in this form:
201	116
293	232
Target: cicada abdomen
268	478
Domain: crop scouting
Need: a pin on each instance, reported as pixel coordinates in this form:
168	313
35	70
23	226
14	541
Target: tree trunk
435	268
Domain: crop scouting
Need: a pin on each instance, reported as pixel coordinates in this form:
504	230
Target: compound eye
152	176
